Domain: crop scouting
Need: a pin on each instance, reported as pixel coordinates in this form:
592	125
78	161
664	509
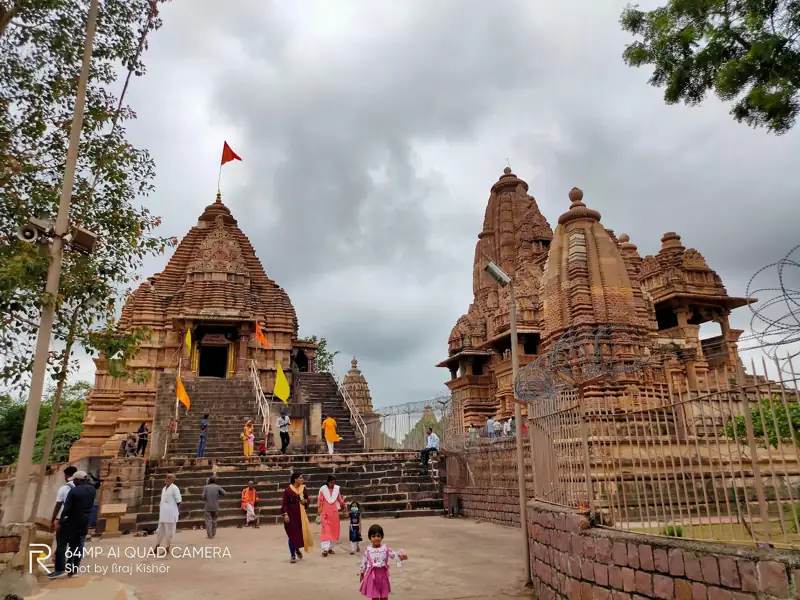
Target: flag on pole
188	339
260	337
281	389
180	392
228	155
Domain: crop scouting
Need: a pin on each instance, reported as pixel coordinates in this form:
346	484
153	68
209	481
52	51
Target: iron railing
355	415
262	404
714	458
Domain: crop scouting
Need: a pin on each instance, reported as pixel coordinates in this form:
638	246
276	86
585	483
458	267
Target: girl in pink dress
375	565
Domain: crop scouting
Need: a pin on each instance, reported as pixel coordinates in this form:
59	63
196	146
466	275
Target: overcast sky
372	130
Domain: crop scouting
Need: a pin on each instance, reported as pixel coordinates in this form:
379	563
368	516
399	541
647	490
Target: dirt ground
448	559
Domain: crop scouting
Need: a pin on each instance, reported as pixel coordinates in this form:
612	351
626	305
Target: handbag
242	436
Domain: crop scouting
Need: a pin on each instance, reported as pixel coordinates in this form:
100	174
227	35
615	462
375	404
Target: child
262	448
375	565
355	527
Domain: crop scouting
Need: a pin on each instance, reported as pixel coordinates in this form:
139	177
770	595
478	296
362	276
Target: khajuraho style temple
215	287
575	278
357	387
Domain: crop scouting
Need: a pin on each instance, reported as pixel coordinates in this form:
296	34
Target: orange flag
180	392
260	337
228	155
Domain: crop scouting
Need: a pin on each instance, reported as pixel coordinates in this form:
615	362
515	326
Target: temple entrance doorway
214	352
213	361
301	360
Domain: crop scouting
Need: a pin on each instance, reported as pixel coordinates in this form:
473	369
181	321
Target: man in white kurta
168	513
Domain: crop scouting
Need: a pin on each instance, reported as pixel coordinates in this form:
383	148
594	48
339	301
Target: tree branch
6	14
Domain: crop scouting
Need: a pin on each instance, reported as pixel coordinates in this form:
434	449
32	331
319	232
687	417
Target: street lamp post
16	509
504	280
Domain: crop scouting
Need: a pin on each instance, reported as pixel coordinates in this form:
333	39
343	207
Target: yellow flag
188	340
180	392
281	389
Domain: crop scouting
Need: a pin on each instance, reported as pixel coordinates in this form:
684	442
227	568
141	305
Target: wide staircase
322	388
386	484
229	403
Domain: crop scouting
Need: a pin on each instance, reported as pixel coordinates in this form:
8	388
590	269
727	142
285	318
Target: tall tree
41	45
746	51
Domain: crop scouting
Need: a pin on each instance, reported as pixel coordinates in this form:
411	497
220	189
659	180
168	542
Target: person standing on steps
249	500
329	502
295	520
143	433
283	427
331	437
248	439
211	495
201	445
168	513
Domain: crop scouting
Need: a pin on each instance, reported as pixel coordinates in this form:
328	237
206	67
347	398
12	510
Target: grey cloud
358	125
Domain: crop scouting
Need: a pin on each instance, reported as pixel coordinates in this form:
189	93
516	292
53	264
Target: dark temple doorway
301	360
213	361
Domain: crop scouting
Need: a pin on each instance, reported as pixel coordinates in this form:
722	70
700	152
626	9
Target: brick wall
570	558
15	576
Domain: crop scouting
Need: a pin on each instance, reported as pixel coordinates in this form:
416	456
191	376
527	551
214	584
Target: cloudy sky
372	130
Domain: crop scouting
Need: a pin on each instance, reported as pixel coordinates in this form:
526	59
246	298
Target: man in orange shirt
249	500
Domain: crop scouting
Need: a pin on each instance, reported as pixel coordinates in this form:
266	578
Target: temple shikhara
216	288
577	278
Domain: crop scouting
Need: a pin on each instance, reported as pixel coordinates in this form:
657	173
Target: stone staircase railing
262	404
355	415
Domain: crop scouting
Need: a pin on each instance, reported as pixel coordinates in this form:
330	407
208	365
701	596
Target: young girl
375	565
355	527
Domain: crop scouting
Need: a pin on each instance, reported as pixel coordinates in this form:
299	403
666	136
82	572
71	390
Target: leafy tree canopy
764	429
746	51
67	431
41	48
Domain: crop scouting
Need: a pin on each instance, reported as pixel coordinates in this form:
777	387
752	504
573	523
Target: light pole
16	509
504	280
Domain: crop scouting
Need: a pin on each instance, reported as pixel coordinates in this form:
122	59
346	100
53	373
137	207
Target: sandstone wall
15	575
122	482
571	558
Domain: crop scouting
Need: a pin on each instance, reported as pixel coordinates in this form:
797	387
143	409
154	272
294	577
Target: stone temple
215	287
579	277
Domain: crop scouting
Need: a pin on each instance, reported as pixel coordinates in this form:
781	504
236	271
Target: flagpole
219	178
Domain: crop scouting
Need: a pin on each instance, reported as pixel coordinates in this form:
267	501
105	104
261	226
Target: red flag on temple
228	155
260	337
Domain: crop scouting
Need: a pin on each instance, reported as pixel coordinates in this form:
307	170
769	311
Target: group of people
136	443
374	570
70	521
496	428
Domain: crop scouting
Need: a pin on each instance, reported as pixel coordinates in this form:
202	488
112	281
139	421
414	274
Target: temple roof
215	275
676	273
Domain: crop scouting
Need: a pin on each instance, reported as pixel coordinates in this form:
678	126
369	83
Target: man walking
168	513
61	497
201	445
74	525
432	446
211	495
283	427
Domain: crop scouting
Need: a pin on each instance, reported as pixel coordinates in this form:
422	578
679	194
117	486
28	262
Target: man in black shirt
74	522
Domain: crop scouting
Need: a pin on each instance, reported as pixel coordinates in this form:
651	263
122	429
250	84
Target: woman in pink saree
329	503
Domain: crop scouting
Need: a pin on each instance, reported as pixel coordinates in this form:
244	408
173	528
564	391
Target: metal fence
717	459
404	426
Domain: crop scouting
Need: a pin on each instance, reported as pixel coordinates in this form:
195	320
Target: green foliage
68	426
418	436
324	357
672	531
69	423
773	410
41	48
746	51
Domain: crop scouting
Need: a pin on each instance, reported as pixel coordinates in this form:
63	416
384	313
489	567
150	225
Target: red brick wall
572	559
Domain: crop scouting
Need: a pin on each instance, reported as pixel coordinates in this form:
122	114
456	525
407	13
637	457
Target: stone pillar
165	411
373	440
15	542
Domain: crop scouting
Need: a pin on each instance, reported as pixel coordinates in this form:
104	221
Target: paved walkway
448	559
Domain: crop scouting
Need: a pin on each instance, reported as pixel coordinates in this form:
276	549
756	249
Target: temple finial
219	197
